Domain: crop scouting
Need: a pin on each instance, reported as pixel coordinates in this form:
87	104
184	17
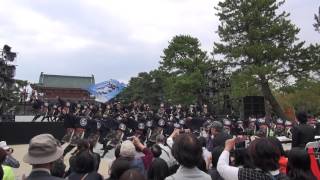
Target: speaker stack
254	106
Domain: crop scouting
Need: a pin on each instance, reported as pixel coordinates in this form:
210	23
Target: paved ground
20	150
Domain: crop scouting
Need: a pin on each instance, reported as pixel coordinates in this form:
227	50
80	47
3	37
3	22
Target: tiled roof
63	81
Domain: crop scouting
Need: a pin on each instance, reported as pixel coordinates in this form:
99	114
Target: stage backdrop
22	132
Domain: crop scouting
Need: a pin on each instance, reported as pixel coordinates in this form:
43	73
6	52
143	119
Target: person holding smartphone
264	156
10	160
217	136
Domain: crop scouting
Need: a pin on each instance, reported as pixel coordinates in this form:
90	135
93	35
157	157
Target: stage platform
18	134
22	132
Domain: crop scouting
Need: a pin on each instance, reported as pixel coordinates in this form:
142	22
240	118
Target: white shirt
228	172
170	142
206	156
167	156
225	170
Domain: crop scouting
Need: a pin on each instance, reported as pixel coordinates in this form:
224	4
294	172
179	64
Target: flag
106	90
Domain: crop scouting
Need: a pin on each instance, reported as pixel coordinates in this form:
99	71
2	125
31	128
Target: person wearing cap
217	136
6	172
128	150
10	160
43	151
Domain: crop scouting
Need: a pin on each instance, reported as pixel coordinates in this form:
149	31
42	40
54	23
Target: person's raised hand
229	145
135	140
176	132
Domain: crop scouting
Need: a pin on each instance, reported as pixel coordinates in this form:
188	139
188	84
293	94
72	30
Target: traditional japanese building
73	88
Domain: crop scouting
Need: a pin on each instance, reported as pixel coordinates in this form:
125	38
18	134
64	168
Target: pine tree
317	24
256	38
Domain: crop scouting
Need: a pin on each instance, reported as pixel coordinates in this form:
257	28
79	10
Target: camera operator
217	136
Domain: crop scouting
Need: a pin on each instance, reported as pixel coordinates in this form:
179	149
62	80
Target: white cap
127	149
4	145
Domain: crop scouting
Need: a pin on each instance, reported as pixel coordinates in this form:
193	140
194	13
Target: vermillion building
73	88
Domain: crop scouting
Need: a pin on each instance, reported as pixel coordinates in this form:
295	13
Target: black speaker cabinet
254	106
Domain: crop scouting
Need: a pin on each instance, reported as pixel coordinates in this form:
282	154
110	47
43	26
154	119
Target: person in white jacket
264	155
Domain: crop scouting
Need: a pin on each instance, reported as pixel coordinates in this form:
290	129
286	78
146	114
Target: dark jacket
40	175
302	134
97	160
89	176
218	140
214	174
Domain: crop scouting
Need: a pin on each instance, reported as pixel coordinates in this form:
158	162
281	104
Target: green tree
9	97
303	95
183	89
257	39
243	84
146	87
317	24
187	64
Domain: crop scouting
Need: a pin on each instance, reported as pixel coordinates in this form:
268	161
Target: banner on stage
106	90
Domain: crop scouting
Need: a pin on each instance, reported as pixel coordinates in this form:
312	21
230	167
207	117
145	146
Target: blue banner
106	90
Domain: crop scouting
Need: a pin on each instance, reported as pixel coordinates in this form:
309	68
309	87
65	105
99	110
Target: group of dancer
111	123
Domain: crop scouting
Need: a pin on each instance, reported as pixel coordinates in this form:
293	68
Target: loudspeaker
253	106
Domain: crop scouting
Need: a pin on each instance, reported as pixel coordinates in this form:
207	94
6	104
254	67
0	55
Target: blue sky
113	38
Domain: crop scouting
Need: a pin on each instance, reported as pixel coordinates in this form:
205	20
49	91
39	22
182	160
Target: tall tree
257	39
187	64
304	95
146	87
317	24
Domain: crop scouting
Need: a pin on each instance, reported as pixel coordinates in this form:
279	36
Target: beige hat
127	149
43	149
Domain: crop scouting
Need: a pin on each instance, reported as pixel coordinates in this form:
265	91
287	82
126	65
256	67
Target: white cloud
108	38
156	21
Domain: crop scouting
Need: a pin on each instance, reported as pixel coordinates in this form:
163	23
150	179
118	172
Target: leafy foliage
187	64
263	43
317	24
147	87
179	79
303	95
9	97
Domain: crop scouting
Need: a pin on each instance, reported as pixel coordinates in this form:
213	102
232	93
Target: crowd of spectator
182	155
